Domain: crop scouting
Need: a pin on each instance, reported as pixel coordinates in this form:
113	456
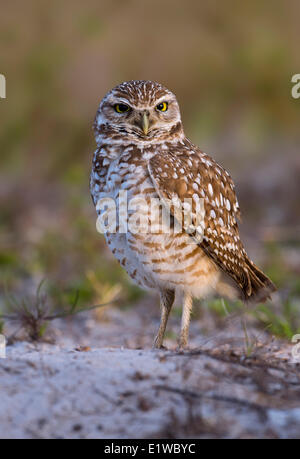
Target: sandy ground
81	388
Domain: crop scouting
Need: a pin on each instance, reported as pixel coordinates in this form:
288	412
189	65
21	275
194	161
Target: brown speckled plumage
163	163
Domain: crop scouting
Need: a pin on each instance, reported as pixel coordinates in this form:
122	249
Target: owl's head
139	111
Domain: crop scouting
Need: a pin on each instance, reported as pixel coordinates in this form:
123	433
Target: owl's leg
166	302
185	320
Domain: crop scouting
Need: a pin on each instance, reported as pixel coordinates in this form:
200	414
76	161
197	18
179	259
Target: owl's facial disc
139	111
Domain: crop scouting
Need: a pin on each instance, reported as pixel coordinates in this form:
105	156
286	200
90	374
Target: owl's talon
182	348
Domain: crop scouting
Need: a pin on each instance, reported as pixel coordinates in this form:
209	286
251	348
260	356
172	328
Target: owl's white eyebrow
123	101
162	99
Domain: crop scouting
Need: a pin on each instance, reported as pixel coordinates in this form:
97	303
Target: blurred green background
229	63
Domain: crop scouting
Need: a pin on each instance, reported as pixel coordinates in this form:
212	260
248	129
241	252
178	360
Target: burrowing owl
142	149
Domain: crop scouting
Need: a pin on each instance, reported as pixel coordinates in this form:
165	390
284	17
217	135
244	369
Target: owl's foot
161	348
183	344
158	343
180	348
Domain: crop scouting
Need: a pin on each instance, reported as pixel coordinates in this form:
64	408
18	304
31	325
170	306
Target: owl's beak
145	123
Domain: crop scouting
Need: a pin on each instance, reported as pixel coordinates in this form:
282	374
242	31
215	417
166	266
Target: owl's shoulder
187	170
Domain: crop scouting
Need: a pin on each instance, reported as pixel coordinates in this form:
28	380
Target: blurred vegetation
230	64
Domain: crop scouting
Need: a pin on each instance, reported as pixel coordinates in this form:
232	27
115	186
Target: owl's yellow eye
121	108
162	107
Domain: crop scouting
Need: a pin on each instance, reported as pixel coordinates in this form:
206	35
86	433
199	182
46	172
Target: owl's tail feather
259	287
